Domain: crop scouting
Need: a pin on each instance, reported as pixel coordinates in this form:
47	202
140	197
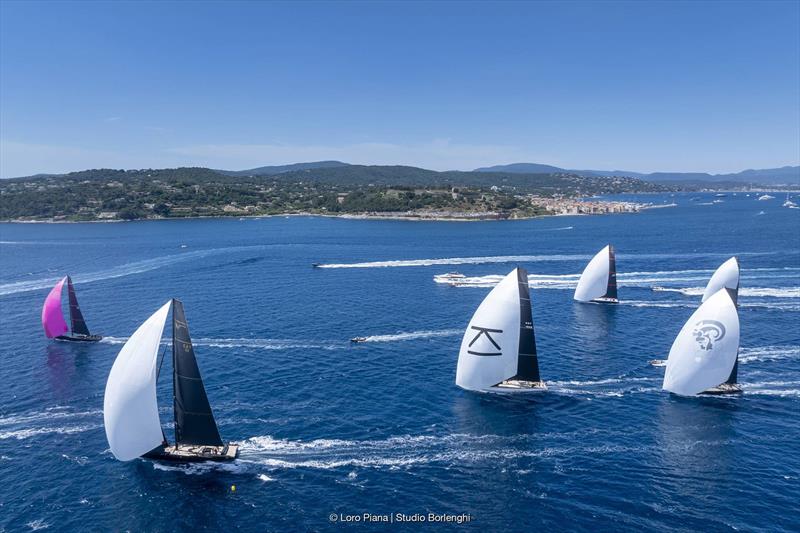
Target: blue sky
671	86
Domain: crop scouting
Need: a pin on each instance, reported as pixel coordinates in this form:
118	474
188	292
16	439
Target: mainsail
726	276
499	342
194	421
75	316
52	317
527	360
704	352
599	278
130	406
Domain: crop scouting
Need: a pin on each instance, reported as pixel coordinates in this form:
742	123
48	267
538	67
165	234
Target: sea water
331	430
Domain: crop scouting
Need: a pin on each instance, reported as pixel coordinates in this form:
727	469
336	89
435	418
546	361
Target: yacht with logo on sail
725	277
598	282
704	353
498	351
55	327
130	405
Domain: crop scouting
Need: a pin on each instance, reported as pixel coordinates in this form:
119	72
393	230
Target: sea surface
329	427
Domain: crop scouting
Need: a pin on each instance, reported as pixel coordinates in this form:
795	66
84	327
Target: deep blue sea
380	427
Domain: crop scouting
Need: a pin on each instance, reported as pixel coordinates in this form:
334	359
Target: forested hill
164	193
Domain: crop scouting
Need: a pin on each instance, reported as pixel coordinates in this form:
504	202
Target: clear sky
643	86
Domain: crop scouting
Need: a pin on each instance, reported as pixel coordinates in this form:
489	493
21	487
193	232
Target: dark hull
195	454
79	338
720	390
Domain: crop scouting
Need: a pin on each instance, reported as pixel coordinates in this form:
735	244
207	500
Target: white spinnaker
726	276
594	280
494	329
130	407
704	352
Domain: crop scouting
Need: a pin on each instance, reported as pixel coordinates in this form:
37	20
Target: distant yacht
598	283
766	197
703	357
358	339
789	203
53	318
130	405
720	195
498	351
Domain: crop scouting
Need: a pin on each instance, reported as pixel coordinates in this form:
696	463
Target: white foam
126	269
763	292
768	353
26	433
38	524
413	335
456	261
400	452
253	343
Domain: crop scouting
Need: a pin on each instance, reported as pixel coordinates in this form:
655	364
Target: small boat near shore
766	197
55	327
130	404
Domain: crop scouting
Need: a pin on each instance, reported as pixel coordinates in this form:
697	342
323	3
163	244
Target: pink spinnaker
52	317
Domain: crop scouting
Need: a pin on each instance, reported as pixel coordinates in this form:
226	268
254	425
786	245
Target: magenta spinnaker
52	317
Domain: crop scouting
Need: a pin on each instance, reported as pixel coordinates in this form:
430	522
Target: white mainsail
490	347
705	350
130	407
594	280
726	276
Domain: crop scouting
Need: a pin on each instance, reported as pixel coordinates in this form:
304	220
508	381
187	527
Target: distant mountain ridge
767	176
280	169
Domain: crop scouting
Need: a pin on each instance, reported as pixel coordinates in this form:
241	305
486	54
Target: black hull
721	390
194	454
79	338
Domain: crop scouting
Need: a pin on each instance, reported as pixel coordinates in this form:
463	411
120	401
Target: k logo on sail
487	332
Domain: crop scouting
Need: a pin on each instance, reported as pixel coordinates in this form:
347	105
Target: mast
194	421
611	291
75	316
527	360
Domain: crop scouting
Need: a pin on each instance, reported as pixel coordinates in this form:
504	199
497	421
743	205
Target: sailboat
55	327
130	406
705	351
598	282
726	276
498	351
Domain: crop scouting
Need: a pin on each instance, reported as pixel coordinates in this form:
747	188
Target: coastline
480	217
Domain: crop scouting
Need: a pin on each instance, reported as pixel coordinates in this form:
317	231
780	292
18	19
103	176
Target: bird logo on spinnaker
486	331
707	332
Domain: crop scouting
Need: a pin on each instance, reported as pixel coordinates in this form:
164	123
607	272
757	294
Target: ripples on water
329	426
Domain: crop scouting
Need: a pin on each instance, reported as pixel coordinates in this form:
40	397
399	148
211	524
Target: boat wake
55	420
127	269
413	335
768	353
455	261
761	292
438	261
403	451
253	344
